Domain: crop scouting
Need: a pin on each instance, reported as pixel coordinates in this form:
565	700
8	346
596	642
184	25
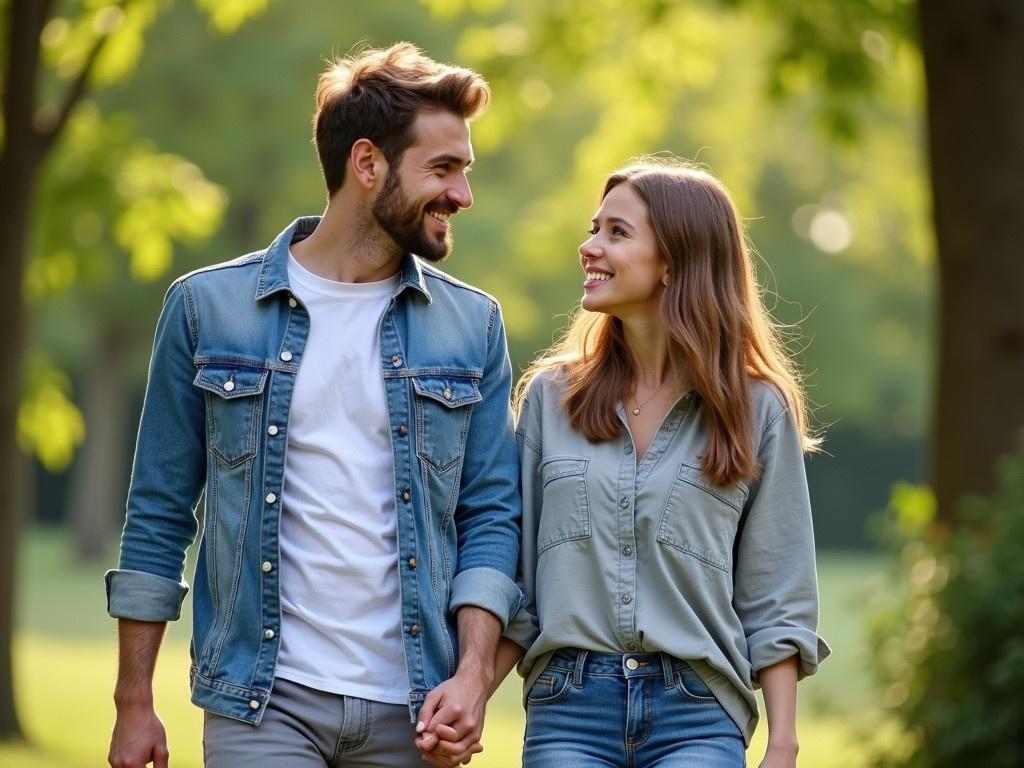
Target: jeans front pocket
234	409
566	510
691	686
551	686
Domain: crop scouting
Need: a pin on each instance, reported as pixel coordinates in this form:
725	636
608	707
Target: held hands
451	721
139	738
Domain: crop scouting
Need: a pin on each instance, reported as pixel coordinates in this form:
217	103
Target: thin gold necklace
640	406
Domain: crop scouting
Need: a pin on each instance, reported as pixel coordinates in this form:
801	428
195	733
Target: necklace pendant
636	411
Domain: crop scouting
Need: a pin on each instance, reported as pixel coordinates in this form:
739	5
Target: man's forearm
479	631
138	645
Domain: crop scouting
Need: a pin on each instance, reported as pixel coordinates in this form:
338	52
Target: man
345	408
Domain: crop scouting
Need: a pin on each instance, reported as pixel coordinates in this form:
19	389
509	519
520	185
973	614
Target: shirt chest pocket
234	409
700	519
565	515
443	405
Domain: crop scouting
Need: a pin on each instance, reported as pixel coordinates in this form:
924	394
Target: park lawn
65	662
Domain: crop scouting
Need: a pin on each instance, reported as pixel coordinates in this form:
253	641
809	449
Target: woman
668	555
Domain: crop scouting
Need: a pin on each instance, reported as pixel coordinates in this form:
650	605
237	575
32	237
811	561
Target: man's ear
367	163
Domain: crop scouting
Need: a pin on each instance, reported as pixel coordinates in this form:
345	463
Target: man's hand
139	738
451	721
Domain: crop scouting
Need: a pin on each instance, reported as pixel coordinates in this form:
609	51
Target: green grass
65	662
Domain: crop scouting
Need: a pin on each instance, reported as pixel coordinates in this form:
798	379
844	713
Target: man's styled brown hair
376	94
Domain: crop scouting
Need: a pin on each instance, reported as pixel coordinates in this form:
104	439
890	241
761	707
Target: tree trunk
974	70
20	160
15	194
100	478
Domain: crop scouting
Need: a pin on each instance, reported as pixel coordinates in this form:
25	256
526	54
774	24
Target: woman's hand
780	756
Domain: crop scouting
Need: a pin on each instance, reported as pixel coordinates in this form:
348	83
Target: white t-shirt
340	608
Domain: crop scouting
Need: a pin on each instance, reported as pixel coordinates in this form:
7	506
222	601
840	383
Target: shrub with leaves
950	649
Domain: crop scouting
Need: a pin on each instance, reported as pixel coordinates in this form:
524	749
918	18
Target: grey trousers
306	728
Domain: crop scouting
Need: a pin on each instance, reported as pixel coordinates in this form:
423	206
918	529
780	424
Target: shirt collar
274	272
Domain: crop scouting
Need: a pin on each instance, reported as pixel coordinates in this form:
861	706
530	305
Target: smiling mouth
594	278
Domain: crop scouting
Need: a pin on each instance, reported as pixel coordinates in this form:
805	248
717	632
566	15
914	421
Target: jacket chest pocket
234	406
700	519
443	405
565	515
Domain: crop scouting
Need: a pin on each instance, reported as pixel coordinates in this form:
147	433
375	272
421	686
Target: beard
403	221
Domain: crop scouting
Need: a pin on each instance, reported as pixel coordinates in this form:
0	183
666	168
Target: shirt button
632	664
414	630
627	599
396	361
412	563
229	386
267	566
627	550
268	633
629	450
271	498
272	430
447	393
631	646
624	502
406	496
286	356
254	704
292	302
403	430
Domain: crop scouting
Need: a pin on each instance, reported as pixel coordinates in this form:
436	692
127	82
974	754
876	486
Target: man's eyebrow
450	160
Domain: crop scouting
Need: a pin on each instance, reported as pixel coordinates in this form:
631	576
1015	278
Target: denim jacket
228	344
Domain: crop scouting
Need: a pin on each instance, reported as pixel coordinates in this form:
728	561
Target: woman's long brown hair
721	336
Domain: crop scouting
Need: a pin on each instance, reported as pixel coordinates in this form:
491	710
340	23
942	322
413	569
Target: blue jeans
638	710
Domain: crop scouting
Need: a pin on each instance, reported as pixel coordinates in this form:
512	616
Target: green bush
950	646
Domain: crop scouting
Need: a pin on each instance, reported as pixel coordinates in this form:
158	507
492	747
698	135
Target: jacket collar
274	272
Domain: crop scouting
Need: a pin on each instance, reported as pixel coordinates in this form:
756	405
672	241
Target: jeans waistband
580	662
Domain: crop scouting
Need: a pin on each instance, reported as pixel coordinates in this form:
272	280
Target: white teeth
598	276
439	216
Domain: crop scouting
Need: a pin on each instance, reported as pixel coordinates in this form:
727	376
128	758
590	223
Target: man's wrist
477	671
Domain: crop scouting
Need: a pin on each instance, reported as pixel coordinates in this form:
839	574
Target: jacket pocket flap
451	391
230	381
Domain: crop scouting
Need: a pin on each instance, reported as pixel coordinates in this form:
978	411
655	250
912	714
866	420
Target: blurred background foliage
192	145
811	114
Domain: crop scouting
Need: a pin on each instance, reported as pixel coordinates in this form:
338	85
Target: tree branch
78	88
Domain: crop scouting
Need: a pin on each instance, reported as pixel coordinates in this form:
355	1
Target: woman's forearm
506	657
778	685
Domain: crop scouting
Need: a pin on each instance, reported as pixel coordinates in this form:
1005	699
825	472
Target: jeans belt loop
577	672
666	669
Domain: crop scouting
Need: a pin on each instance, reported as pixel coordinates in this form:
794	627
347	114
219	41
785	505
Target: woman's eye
618	231
592	230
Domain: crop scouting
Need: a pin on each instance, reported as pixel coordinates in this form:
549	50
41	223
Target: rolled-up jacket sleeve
167	477
775	585
488	510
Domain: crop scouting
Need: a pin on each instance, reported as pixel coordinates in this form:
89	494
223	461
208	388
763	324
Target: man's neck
348	246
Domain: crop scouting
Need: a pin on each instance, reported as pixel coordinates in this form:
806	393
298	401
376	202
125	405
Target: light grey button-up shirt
623	554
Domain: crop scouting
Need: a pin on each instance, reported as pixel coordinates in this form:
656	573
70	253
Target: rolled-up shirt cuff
522	629
775	644
486	588
142	596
